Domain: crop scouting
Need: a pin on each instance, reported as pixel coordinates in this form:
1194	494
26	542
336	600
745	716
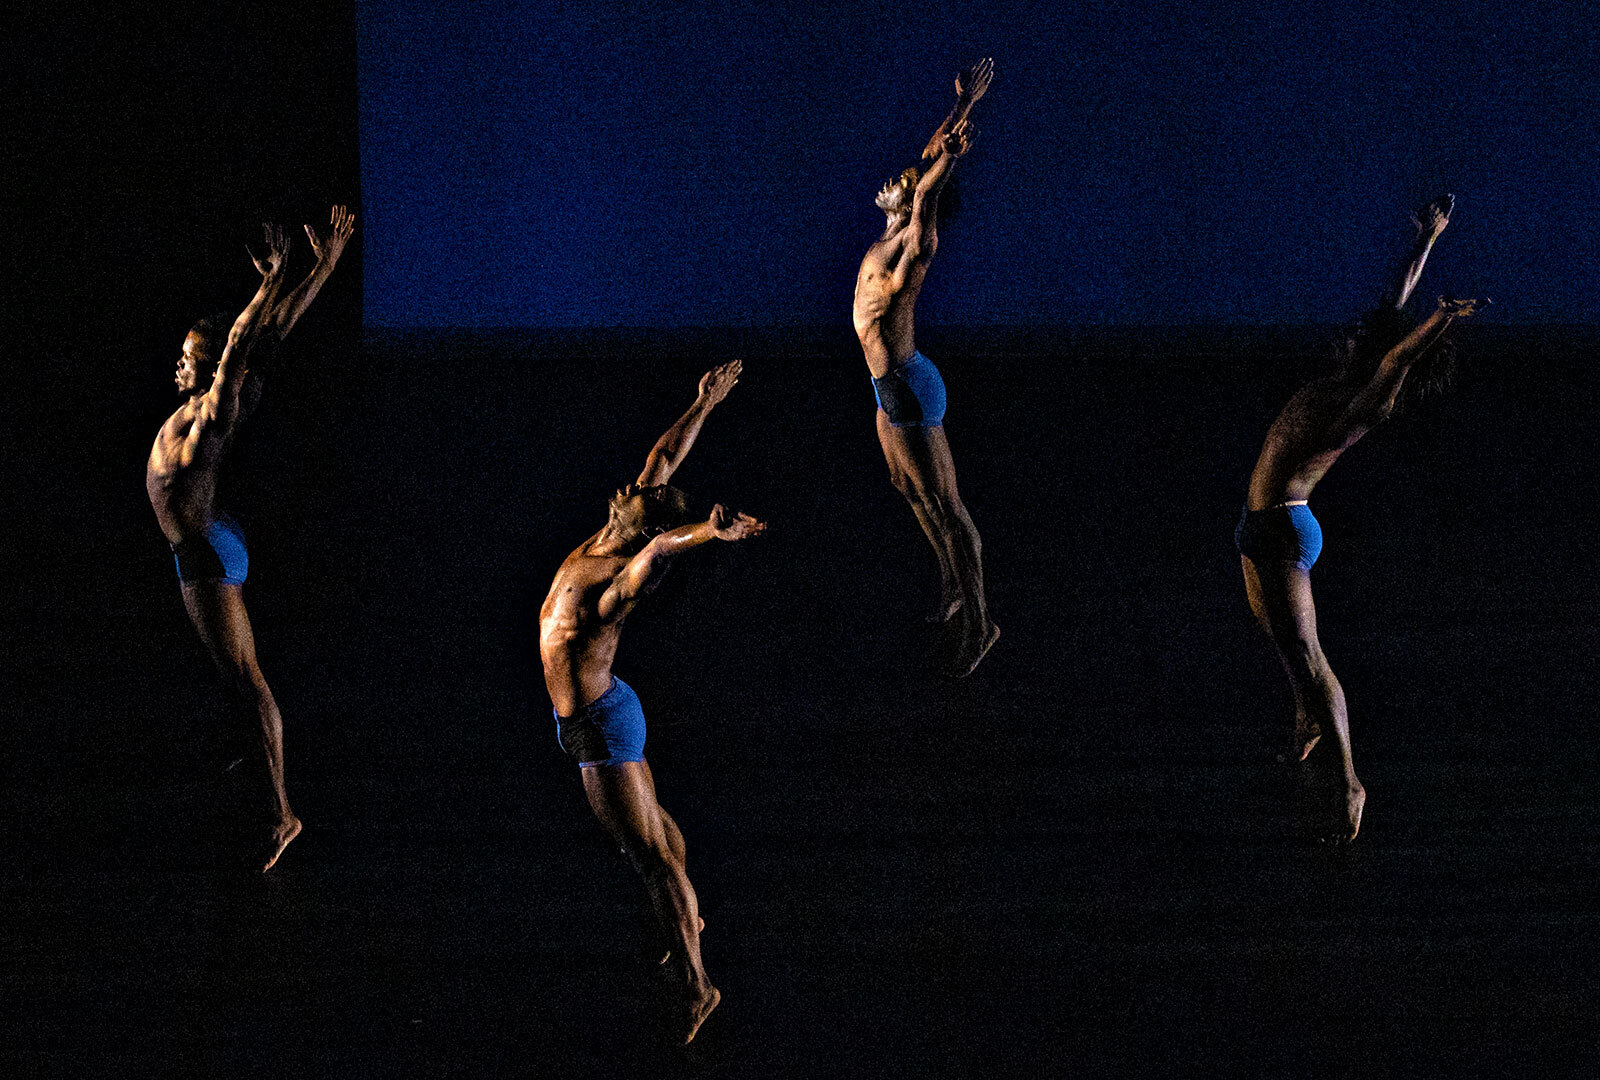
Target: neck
896	222
609	542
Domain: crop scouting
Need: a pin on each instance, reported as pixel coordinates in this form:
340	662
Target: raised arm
969	89
925	202
327	246
669	450
1376	400
652	561
1430	222
247	331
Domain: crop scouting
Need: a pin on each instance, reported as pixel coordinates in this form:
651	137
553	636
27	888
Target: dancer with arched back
219	384
1278	537
599	720
910	390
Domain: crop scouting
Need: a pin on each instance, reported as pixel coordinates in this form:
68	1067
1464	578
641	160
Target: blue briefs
912	394
1282	533
220	556
607	731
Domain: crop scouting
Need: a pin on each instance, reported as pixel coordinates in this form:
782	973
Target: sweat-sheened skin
181	478
580	624
1321	422
918	455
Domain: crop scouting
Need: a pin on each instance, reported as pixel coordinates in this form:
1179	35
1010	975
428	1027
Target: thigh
920	453
1280	595
218	613
941	466
623	798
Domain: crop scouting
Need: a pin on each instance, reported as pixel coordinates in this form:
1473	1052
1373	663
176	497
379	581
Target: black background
1080	860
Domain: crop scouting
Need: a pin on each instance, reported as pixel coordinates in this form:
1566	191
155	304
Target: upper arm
626	588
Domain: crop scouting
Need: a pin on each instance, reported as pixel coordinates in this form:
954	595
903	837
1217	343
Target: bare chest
570	610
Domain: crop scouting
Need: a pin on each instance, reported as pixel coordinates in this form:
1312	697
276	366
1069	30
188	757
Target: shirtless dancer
1279	539
598	717
910	392
181	477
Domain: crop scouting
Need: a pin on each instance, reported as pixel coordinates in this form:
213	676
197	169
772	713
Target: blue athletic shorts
1279	534
219	556
607	731
912	394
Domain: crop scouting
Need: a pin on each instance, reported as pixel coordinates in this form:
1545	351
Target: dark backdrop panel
1087	846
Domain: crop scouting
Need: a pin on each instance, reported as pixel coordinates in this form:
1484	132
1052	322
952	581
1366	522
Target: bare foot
668	954
966	666
699	1010
1355	801
948	606
281	835
1333	810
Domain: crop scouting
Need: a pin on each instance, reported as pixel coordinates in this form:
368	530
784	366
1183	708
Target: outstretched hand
274	253
328	246
730	526
972	86
969	88
715	384
1431	219
1461	309
959	140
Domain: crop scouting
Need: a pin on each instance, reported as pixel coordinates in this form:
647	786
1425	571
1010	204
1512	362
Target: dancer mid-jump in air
598	717
910	392
181	478
1278	537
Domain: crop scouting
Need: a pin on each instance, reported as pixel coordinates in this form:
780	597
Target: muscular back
1314	428
887	285
576	642
181	473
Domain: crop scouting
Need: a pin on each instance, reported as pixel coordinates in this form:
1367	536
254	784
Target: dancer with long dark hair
1278	537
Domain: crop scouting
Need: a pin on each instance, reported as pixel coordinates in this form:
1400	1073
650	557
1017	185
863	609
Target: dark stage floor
1079	862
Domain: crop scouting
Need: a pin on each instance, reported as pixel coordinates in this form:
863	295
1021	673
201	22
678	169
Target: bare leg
899	475
675	844
218	613
623	799
1280	596
922	456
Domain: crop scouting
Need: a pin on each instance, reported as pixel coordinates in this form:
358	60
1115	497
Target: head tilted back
658	509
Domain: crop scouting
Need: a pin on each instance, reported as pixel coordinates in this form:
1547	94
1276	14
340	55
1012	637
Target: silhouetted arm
1376	400
327	246
670	450
1430	222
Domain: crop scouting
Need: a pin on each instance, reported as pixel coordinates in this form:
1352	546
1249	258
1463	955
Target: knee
1306	659
650	857
902	482
245	685
944	505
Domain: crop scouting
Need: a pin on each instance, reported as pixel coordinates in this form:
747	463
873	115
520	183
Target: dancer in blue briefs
599	721
1278	537
219	387
910	392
